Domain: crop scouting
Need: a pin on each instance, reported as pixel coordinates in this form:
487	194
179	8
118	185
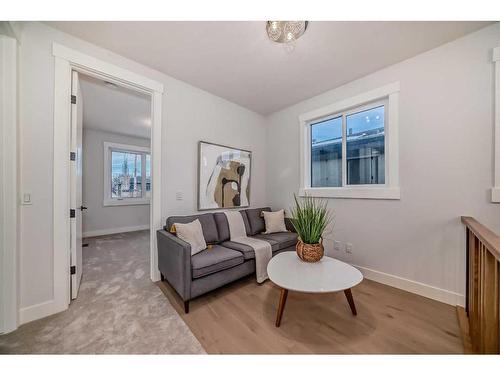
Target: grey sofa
224	262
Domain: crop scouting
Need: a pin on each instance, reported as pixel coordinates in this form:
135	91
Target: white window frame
108	200
388	96
495	190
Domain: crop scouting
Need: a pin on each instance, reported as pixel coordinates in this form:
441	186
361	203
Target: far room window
127	174
345	147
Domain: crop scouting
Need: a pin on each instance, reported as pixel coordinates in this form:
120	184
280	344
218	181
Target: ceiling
115	109
236	60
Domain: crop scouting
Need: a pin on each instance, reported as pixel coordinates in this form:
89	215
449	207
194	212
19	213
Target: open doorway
111	175
67	61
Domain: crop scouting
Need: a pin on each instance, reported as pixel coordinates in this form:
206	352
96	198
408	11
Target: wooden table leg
350	300
281	307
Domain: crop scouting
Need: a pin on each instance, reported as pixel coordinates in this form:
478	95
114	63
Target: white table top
328	275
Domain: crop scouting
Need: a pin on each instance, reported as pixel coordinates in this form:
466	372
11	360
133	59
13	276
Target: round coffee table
326	276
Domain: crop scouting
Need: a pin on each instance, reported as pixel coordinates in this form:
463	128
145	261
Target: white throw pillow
275	221
192	233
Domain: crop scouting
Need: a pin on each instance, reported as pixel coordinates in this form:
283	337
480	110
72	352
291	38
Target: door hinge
73	99
72	270
72	156
72	212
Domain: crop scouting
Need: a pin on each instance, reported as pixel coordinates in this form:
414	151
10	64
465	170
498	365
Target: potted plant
310	217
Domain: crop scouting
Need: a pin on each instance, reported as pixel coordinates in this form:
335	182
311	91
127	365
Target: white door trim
67	60
495	190
9	305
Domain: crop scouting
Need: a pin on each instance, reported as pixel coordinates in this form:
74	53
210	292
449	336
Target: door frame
9	199
67	60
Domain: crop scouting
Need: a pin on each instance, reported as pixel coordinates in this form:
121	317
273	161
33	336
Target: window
326	153
365	146
127	174
350	149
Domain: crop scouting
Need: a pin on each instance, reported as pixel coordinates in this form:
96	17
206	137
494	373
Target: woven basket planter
310	252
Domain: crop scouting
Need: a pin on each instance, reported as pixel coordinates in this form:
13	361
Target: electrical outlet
337	245
348	248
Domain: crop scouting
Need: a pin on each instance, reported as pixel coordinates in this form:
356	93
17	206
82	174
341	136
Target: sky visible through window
127	176
357	124
118	159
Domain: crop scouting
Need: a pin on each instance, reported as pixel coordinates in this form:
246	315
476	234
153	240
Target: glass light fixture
286	32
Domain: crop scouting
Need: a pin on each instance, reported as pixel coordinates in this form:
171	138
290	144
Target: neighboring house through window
127	174
350	149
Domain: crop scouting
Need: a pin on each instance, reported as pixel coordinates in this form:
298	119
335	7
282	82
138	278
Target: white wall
99	219
189	115
446	138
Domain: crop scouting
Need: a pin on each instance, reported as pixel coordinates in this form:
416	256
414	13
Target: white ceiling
236	60
117	110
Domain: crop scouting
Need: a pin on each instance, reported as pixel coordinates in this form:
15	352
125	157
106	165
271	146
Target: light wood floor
239	318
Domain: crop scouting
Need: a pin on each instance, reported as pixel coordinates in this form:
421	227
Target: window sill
125	202
352	192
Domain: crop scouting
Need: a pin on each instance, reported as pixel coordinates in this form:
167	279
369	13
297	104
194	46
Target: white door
76	185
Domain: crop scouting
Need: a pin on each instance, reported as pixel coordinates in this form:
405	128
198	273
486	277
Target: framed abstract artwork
223	176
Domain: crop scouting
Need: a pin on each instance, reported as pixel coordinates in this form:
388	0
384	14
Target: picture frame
224	176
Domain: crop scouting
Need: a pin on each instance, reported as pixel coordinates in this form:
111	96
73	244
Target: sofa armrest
289	226
174	262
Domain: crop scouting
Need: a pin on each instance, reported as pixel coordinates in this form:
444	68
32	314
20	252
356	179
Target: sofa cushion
256	221
207	224
246	250
223	227
213	260
283	239
246	222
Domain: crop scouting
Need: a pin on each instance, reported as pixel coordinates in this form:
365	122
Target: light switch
26	198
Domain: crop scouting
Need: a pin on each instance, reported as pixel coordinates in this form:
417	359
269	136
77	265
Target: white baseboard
425	290
38	311
103	232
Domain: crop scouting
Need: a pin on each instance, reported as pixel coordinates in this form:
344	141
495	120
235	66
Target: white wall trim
353	101
371	192
34	312
126	202
425	290
9	305
496	54
104	232
389	94
89	63
495	191
67	60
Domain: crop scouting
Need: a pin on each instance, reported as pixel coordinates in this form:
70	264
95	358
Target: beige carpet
118	309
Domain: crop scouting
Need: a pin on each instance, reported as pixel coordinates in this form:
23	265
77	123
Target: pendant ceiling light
286	32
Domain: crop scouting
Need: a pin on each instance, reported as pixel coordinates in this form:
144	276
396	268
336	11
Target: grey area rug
118	309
